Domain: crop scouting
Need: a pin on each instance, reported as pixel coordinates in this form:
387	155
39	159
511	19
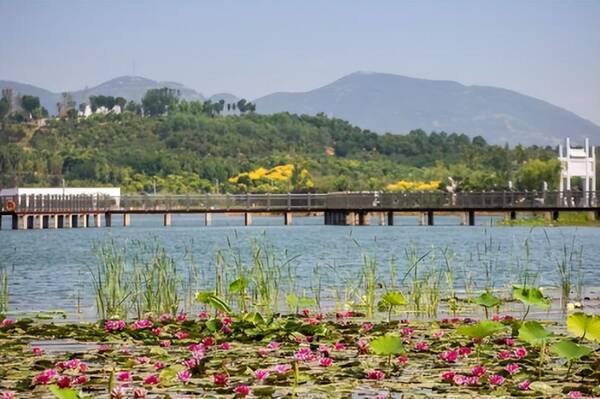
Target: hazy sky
546	49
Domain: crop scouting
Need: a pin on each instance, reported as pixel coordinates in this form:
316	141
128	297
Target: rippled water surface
49	269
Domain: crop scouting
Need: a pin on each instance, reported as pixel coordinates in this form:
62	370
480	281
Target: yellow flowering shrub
405	185
277	179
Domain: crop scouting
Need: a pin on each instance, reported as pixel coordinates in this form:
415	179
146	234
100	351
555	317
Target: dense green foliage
193	149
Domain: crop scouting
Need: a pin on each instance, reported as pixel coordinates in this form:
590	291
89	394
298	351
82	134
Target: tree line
179	146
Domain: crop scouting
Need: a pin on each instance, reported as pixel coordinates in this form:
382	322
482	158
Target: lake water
49	269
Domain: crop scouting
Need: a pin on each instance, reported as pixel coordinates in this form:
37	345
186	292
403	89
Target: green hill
189	151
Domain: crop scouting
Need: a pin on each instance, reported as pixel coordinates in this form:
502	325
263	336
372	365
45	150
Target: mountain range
387	103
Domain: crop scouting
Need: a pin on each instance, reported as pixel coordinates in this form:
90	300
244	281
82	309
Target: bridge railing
307	202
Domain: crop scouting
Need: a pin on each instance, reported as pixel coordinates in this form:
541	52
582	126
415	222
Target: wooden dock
341	208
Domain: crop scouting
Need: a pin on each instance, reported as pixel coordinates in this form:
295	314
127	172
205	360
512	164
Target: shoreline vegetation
565	219
246	326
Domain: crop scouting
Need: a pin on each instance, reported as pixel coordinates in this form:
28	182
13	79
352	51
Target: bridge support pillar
551	216
74	221
427	218
97	220
511	215
60	221
208	219
167	219
467	218
381	216
38	222
67	221
247	219
287	218
390	218
82	220
126	219
363	218
349	218
15	222
53	221
108	219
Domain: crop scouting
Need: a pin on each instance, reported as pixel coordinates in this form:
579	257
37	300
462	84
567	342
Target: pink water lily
151	379
366	326
496	380
512	368
184	376
241	391
261	374
524	385
282	368
363	346
339	346
575	395
181	335
123	376
142	360
304	354
422	346
37	351
220	379
114	325
181	317
274	345
159	365
140	393
478	371
520	352
504	354
64	381
45	377
7	395
325	362
449	356
204	315
81	380
375	375
141	324
225	346
448	375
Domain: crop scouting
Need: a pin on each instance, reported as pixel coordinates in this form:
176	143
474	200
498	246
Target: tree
30	103
533	174
4	107
120	101
159	101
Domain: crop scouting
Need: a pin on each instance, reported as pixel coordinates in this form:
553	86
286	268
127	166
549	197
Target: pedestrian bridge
339	208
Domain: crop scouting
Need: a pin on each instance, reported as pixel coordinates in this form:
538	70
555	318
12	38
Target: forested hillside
191	150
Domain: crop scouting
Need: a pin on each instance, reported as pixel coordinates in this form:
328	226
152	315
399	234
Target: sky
545	49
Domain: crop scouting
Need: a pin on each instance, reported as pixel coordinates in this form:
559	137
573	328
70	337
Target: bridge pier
97	220
287	218
363	218
247	219
167	219
390	218
551	216
208	219
53	221
511	215
427	218
126	219
108	219
38	222
593	215
467	218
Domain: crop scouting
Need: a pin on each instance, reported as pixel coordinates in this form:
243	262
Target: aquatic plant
3	290
388	345
530	296
535	335
571	352
111	281
584	326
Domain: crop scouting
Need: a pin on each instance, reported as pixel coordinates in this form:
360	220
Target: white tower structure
577	162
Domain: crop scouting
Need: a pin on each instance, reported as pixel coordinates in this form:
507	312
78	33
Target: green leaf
394	298
531	296
238	285
169	374
63	393
211	299
389	344
584	325
570	350
255	318
534	333
487	300
481	330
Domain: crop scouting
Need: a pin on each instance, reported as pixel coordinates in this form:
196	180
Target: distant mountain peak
385	102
